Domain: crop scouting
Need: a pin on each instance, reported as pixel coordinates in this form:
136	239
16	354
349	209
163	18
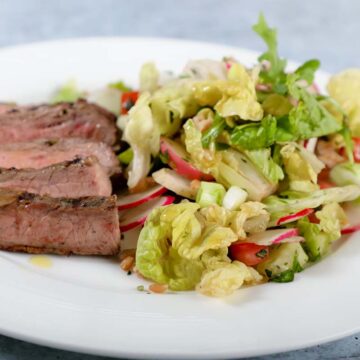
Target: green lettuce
171	104
273	72
143	135
345	174
344	88
276	105
309	118
275	75
229	167
265	163
255	135
239	96
180	244
319	237
307	70
224	278
149	77
283	262
229	97
69	92
205	69
119	85
301	167
214	131
297	201
250	218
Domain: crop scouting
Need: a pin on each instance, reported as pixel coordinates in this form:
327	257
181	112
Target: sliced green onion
126	156
210	193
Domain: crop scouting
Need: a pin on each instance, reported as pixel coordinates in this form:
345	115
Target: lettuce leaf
239	97
206	160
205	69
180	244
301	167
299	200
276	105
149	77
276	74
309	118
237	169
225	278
332	219
265	163
171	103
345	88
346	174
250	218
274	71
256	135
143	135
319	237
69	92
307	70
214	131
229	167
157	259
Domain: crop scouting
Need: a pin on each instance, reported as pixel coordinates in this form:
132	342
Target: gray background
324	29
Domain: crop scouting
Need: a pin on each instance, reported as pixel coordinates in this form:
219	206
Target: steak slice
42	153
76	178
35	224
63	120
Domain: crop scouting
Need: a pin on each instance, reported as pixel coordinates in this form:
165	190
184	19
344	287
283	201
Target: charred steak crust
63	120
75	178
41	224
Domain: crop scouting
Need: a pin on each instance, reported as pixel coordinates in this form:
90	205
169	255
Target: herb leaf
255	135
309	118
307	70
214	131
276	74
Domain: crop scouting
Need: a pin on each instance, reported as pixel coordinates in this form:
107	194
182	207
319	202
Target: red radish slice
177	156
353	214
132	200
263	87
313	89
310	144
129	219
294	217
277	236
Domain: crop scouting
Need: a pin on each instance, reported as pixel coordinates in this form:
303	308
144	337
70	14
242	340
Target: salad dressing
41	261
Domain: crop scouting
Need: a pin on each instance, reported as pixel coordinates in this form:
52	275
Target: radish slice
313	89
132	200
294	217
177	156
136	216
272	237
353	214
310	144
174	182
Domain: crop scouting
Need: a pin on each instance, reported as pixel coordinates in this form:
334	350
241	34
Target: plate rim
136	353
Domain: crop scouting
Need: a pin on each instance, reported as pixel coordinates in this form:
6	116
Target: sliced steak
35	224
63	120
76	178
39	154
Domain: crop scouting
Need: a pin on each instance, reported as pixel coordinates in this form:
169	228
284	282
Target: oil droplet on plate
41	261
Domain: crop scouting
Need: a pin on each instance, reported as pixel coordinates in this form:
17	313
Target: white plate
90	305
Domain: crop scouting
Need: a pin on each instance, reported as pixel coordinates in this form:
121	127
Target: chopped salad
236	176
